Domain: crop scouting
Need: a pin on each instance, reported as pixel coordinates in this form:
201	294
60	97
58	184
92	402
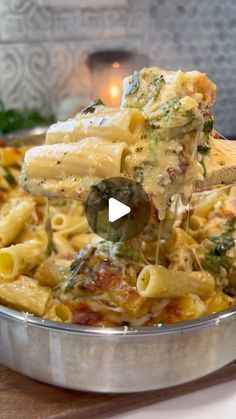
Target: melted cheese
160	123
173	105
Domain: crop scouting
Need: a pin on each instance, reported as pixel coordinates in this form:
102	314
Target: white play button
116	210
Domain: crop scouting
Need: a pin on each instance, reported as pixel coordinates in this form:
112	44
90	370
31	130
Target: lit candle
114	93
108	69
114	84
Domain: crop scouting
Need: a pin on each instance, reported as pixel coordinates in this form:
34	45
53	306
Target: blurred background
56	55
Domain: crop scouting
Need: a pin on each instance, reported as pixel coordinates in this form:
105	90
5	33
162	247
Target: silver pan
114	359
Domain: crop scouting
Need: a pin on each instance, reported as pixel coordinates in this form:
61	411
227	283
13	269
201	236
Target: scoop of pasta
159	137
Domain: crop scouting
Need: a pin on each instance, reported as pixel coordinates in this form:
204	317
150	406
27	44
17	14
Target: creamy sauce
173	104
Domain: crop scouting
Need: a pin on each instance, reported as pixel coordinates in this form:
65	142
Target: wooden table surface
24	398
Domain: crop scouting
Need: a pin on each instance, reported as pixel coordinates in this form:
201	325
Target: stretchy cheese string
221	135
158	241
187	222
197	259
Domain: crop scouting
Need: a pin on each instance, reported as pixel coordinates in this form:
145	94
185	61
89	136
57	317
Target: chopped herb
203	149
9	177
151	125
208	124
212	264
153	144
171	106
133	84
151	135
92	106
216	257
158	83
58	162
125	251
222	244
133	106
231	225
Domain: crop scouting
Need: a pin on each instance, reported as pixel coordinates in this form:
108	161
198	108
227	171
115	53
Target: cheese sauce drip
175	105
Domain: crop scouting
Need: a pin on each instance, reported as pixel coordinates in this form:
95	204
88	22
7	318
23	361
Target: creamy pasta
180	268
89	281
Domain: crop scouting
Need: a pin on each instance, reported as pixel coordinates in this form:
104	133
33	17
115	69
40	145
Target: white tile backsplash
44	45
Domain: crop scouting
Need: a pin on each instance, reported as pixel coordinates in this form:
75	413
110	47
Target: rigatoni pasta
20	258
10	156
111	124
51	272
59	313
13	222
53	170
25	294
159	282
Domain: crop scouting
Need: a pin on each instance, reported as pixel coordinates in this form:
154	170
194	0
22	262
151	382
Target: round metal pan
116	360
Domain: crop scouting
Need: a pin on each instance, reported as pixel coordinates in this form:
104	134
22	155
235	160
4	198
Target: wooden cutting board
23	398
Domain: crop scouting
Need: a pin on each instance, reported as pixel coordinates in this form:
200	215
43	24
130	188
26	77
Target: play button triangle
116	210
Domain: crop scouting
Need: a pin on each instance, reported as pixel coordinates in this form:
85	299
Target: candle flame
114	91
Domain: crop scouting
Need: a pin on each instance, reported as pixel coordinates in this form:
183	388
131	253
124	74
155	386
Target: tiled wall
199	34
44	43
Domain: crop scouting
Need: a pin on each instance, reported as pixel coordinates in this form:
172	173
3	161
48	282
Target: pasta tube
10	156
177	239
196	222
185	308
68	225
219	302
51	273
232	192
206	205
70	169
33	233
111	124
81	227
20	258
25	294
63	246
12	223
160	282
59	313
60	221
82	240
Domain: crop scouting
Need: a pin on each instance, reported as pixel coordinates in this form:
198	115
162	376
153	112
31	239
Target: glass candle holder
108	69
